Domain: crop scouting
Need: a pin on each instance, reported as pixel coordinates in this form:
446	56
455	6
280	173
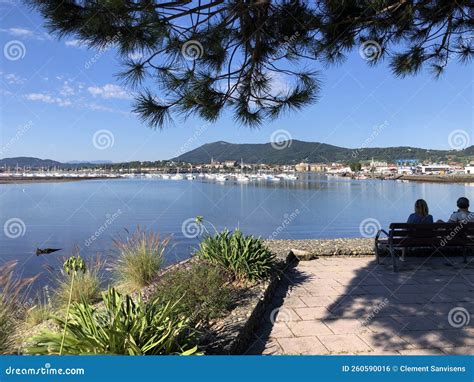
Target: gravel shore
307	249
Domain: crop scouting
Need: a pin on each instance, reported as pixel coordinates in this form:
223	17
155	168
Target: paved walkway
351	305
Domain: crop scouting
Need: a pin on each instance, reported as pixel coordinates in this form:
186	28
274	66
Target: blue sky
56	96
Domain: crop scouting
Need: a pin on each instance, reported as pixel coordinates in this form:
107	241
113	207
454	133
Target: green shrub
120	326
139	259
202	289
86	286
245	257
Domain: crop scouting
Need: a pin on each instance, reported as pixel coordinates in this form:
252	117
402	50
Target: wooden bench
436	236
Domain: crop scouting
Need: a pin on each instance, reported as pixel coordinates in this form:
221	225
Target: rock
302	255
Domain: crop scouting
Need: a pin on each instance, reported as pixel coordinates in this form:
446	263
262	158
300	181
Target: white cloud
25	33
47	98
109	91
12	78
279	84
67	89
76	43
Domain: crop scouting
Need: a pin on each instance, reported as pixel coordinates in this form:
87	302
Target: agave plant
119	326
72	266
245	257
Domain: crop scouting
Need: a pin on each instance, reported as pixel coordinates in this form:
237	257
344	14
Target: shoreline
446	179
50	179
439	178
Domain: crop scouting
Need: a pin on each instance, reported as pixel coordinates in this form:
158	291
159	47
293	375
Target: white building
469	169
434	169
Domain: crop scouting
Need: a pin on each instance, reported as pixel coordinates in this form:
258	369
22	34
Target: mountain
46	163
89	162
29	162
295	151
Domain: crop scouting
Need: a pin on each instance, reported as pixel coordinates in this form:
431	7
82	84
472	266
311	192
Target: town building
469	169
434	169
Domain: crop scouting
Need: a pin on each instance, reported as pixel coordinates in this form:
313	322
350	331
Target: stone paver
302	345
343	305
344	343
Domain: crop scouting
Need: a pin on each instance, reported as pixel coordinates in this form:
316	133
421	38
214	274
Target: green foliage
120	326
355	166
139	259
314	152
83	286
202	290
73	266
245	257
213	55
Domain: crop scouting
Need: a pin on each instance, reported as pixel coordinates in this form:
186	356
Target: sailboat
241	177
177	176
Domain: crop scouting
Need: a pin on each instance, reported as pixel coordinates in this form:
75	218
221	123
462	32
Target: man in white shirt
462	214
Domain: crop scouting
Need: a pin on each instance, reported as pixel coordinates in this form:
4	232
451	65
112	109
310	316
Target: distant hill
292	153
29	162
47	163
312	152
90	162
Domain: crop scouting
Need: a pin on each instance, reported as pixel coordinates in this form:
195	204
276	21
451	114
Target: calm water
64	215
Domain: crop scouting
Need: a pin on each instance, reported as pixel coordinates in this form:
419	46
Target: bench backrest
437	234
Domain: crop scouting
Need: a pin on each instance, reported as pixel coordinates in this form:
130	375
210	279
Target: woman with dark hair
421	214
462	214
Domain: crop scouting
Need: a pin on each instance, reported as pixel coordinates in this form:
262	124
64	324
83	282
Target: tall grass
41	308
139	259
86	286
11	307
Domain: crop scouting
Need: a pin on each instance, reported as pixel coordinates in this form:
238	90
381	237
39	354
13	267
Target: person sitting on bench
462	214
421	214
